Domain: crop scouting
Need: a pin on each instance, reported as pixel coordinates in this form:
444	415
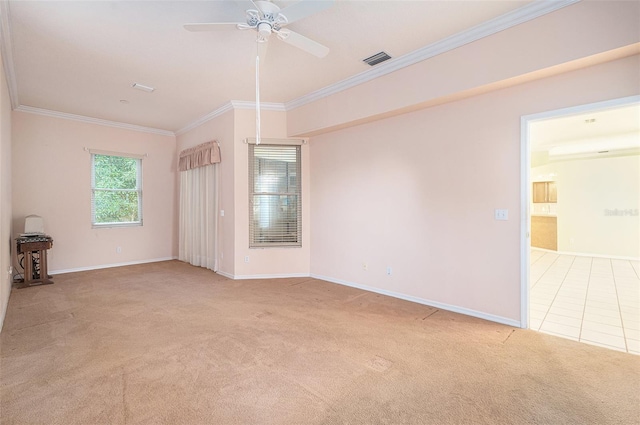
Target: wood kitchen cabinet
545	192
544	232
552	192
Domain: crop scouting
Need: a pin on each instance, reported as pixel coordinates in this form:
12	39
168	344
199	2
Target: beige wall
267	261
549	44
230	129
6	243
417	193
414	192
588	187
52	178
587	190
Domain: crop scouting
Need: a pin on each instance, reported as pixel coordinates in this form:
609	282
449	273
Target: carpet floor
168	343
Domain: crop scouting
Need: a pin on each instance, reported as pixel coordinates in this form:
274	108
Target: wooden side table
28	246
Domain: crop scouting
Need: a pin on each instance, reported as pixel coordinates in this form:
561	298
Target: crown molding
233	104
521	15
524	14
6	47
265	106
211	115
90	120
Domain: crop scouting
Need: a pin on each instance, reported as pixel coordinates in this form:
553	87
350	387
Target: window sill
275	246
111	225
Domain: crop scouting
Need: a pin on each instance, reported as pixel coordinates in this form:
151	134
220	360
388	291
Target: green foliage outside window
116	192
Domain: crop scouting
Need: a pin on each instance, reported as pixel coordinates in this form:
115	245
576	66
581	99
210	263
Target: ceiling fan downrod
257	97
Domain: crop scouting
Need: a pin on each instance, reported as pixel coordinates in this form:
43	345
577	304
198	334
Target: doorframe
525	184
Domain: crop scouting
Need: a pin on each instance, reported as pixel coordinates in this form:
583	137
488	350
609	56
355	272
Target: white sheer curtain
198	216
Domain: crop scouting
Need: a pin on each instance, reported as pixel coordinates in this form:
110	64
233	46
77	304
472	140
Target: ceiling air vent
376	59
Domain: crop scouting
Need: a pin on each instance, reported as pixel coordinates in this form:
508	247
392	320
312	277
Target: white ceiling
614	128
81	57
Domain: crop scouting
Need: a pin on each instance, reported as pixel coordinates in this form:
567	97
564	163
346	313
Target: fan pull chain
257	98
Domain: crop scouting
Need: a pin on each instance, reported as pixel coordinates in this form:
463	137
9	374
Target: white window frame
138	189
253	243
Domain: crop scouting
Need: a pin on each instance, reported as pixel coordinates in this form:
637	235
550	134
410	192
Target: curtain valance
199	156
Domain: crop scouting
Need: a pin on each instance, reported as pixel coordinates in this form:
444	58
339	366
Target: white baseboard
225	274
107	266
262	276
443	306
436	304
612	257
583	254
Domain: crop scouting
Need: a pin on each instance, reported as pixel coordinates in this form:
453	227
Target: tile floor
587	299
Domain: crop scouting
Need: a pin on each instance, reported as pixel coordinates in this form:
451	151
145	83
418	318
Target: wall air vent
376	59
143	87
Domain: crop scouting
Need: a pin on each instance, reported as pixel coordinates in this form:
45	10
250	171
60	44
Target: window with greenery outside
116	190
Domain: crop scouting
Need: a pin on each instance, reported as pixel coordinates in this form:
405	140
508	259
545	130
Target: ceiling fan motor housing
264	30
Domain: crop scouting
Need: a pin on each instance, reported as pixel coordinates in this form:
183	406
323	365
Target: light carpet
169	343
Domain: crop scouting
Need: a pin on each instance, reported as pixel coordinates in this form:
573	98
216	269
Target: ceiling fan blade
246	5
306	44
213	26
305	8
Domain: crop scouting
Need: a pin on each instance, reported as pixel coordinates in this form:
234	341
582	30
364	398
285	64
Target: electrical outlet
365	266
389	271
221	213
502	214
119	250
246	259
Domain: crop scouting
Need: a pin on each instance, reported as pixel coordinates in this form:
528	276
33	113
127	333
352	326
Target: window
275	210
116	191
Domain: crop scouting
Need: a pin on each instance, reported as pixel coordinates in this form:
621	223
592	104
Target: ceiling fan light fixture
264	30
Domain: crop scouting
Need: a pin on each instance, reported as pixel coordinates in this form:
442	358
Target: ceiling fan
267	18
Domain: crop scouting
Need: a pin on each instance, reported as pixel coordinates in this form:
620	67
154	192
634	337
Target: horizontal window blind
275	203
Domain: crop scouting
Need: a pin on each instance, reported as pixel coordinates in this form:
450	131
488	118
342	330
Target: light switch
502	214
221	213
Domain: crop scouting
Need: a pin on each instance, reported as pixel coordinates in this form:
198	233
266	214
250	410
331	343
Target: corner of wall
5	197
270	262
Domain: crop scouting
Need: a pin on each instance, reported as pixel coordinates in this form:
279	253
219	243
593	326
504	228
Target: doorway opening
581	225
